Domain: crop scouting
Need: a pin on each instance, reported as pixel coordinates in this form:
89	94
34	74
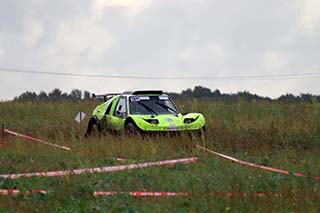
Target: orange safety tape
16	192
167	194
100	169
252	164
2	135
36	139
57	146
141	194
227	194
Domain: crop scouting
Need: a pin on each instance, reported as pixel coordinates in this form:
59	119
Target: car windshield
151	105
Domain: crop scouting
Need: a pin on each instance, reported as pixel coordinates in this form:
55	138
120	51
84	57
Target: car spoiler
105	97
148	92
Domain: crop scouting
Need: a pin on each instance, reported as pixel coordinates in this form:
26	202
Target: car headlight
190	120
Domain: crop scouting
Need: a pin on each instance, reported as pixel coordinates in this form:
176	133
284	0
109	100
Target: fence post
2	135
80	123
80	119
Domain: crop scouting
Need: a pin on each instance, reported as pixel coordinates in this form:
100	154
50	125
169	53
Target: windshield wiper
167	107
148	108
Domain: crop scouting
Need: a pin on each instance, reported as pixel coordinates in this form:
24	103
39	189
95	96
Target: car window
121	108
149	105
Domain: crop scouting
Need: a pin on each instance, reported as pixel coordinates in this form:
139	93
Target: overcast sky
160	38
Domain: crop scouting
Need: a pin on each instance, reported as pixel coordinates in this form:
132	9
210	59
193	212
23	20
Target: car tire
93	127
131	130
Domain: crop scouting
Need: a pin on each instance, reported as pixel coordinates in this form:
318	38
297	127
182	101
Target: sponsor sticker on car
169	120
139	98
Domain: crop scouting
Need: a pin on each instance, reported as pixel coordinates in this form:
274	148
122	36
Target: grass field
285	136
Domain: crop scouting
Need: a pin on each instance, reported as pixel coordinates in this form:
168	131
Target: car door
117	114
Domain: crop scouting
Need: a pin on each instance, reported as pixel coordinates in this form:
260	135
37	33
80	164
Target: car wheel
93	128
131	129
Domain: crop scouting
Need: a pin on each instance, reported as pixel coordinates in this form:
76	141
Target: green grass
285	136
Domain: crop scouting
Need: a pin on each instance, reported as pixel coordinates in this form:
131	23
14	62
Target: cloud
83	36
310	15
33	33
159	38
132	8
273	60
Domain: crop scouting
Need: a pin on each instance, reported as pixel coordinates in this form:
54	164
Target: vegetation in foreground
285	136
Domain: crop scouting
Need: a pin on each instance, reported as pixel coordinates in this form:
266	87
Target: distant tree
173	95
288	98
201	92
55	95
75	95
27	96
64	96
216	93
247	96
86	95
43	96
306	97
187	93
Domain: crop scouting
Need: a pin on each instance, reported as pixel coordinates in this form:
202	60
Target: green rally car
142	112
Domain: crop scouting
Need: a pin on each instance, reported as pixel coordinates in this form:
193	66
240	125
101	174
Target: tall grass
286	136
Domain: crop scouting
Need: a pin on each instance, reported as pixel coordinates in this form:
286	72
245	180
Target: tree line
216	95
55	95
198	92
